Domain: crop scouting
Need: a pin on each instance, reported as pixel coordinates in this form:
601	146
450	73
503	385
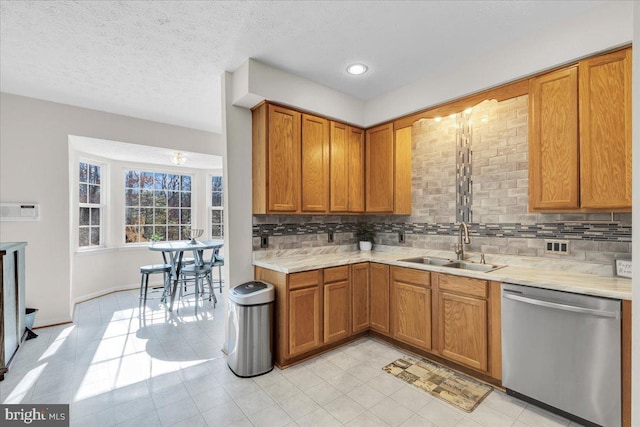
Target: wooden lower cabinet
304	320
461	319
360	297
411	306
379	298
337	304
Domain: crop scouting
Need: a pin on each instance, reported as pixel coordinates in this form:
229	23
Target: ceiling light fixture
178	159
357	69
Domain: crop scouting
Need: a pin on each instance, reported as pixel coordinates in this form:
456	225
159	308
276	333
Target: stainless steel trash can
250	329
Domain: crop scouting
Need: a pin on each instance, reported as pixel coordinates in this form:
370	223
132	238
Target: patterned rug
444	383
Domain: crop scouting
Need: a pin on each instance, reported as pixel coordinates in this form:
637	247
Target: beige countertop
536	275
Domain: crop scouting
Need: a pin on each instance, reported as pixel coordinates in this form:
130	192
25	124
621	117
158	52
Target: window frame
142	169
104	179
211	208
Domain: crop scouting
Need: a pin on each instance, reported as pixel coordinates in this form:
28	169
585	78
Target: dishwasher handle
564	307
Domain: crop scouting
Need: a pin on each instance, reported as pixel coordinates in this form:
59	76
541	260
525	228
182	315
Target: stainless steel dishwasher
563	350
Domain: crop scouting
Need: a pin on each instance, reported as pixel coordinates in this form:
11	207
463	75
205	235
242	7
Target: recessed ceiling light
357	69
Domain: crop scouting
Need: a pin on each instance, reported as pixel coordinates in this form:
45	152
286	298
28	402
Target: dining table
175	250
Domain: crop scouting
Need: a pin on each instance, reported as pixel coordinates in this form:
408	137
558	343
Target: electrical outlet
557	247
401	236
330	236
264	241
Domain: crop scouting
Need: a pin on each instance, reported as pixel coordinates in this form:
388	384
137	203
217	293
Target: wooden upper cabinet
605	130
411	306
315	164
339	174
379	170
276	159
347	168
402	186
355	166
553	141
379	298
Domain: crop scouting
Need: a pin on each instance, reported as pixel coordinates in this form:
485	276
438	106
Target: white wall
238	219
599	29
34	166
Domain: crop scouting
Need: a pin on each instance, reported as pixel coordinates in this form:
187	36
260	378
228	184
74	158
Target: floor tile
536	417
178	411
223	415
417	421
441	413
487	416
271	416
344	409
389	411
318	418
366	395
251	403
323	393
366	419
412	398
298	406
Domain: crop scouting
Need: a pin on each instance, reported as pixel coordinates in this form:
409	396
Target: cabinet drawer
410	275
336	274
463	285
304	279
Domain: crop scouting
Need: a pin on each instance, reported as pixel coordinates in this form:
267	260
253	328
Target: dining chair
198	272
146	271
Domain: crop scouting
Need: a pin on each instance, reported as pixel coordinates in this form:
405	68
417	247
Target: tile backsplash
500	222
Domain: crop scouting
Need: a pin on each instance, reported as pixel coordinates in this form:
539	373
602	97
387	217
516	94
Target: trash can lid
251	293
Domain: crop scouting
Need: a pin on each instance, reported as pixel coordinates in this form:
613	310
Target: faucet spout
463	229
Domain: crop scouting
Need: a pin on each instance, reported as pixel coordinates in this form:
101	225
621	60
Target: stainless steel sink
428	260
468	265
448	263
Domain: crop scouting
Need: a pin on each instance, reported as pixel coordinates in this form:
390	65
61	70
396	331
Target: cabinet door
379	298
339	172
553	141
411	307
315	164
337	311
284	159
356	169
402	189
379	169
462	329
360	297
605	131
304	320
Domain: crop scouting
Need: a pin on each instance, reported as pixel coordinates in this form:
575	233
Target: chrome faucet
467	240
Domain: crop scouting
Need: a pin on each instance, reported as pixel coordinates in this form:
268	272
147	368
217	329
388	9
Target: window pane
185	200
173	182
160	181
84	173
161	198
84	193
146	180
132	197
216	183
146	216
160	217
186	183
84	216
95	236
132	234
174	216
132	179
161	231
174	233
216	199
216	217
83	237
216	231
174	199
185	215
95	216
147	233
94	194
146	198
94	174
131	216
184	232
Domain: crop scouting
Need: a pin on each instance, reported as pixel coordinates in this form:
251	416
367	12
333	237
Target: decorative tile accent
464	187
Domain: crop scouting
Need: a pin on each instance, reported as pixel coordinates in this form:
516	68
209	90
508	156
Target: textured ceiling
162	60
